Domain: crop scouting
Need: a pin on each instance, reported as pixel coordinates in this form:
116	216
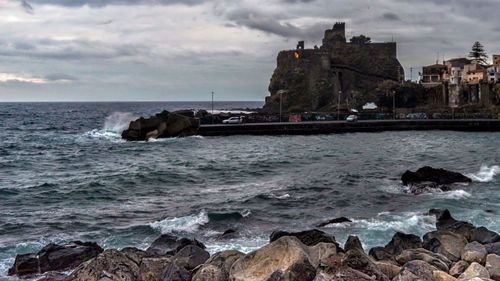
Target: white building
493	74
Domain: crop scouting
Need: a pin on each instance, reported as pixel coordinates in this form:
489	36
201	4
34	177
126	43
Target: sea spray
485	174
188	223
117	122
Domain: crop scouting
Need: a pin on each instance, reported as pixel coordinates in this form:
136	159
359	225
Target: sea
65	174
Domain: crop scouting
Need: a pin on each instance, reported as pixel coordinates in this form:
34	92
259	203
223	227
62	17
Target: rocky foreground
457	250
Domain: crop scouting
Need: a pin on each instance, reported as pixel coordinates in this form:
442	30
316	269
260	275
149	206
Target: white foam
454	194
117	122
485	174
188	223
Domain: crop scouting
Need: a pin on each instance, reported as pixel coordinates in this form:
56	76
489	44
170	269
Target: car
233	120
352	118
416	116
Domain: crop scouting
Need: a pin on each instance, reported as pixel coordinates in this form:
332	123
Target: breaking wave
181	224
454	194
114	125
485	174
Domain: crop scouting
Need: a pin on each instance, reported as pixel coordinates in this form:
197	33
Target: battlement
335	35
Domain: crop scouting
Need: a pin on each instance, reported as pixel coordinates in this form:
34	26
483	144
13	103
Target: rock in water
446	222
169	245
429	174
162	125
308	237
484	236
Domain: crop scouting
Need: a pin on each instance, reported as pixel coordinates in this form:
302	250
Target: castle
338	73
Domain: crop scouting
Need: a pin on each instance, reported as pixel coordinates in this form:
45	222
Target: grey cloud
27	7
391	17
103	3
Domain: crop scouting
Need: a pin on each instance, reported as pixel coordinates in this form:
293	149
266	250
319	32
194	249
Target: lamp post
338	105
394	105
281	104
212	107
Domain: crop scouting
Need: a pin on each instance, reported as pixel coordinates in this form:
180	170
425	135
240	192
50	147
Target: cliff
313	79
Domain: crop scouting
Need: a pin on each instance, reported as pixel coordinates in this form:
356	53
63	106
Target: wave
485	174
188	223
114	125
454	194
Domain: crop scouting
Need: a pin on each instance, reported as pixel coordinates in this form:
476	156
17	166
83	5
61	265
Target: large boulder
493	248
358	260
190	257
218	266
55	257
474	270
458	268
493	266
416	270
443	276
399	242
474	252
446	243
162	125
484	236
334	221
152	269
341	273
175	272
434	259
169	245
284	259
109	265
308	237
353	242
388	268
429	174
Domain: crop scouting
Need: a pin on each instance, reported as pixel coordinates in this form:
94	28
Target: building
493	74
473	74
433	75
496	60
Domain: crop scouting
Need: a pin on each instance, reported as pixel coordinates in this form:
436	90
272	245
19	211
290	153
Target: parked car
233	120
352	118
416	116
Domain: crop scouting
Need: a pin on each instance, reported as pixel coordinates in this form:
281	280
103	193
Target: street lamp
394	105
338	105
212	107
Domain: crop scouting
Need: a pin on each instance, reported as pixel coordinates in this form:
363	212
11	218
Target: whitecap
454	194
485	174
114	125
188	223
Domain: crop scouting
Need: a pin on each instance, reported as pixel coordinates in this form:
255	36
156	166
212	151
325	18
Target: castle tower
335	35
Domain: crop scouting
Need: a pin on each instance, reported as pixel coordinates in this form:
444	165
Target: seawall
331	127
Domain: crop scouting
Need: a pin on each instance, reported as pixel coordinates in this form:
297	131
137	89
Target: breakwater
330	127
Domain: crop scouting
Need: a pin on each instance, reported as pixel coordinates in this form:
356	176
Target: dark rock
334	221
484	236
308	237
426	187
458	268
190	257
169	245
444	221
228	234
358	260
429	174
380	254
25	265
57	258
493	248
474	252
416	270
217	268
152	269
353	243
53	276
176	273
341	273
187	113
136	255
434	259
401	241
447	243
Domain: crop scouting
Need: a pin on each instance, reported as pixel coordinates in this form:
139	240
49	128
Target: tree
361	39
478	53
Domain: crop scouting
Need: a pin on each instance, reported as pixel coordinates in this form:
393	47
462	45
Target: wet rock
359	261
169	245
176	273
493	248
334	221
308	237
286	258
474	252
228	234
109	265
474	270
437	260
493	266
429	174
399	242
416	270
445	222
484	236
426	187
152	269
25	265
341	273
217	267
53	276
388	268
443	276
458	268
446	243
190	257
162	125
353	243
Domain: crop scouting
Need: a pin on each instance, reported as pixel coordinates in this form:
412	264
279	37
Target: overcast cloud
184	49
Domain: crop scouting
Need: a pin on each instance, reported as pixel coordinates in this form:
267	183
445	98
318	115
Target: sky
181	50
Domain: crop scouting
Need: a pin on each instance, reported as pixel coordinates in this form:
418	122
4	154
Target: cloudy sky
106	50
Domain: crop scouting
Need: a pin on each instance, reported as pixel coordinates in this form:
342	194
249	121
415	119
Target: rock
341	273
426	187
399	242
437	260
53	276
308	237
334	221
286	258
388	268
458	268
493	248
474	270
416	270
176	273
162	125
443	276
228	234
359	261
109	265
484	236
217	267
474	252
447	243
190	257
493	266
169	245
380	254
25	265
353	243
445	222
152	269
429	174
136	255
323	255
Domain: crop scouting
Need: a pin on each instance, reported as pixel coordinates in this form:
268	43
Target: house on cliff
338	73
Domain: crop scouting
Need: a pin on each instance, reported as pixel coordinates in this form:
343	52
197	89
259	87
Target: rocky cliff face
313	79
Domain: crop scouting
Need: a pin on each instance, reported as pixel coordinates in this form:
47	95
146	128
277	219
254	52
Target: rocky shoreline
456	250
